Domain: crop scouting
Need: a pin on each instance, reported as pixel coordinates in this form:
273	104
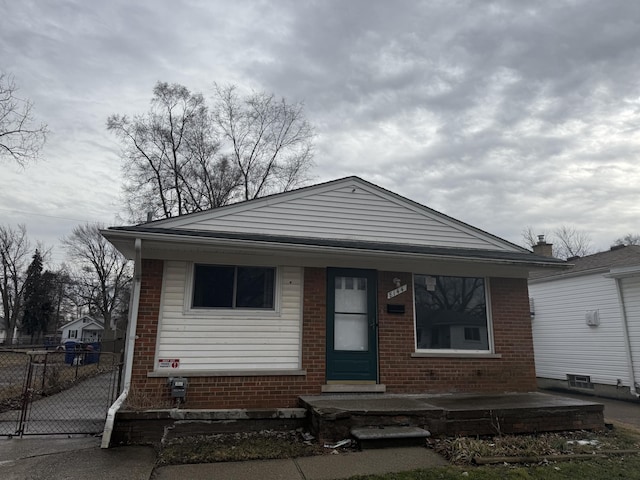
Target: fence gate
45	392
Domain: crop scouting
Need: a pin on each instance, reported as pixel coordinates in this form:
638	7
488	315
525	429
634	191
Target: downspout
627	341
129	347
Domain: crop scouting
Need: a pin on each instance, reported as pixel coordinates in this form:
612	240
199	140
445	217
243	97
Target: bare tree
14	257
184	156
628	239
170	156
20	137
102	274
268	139
567	241
571	242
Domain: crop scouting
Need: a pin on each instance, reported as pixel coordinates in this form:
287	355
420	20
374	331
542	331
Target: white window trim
189	310
448	352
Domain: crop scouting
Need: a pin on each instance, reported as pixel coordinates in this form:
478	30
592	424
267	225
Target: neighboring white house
586	324
84	329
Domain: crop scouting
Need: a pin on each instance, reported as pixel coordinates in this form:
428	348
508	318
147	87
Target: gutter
129	347
627	341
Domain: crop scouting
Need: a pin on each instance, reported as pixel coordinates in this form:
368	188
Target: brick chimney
543	248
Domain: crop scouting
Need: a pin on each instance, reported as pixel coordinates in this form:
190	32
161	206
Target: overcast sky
501	114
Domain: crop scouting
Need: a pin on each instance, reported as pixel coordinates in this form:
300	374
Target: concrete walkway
79	409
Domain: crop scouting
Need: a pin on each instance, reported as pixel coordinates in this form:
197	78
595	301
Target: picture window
451	313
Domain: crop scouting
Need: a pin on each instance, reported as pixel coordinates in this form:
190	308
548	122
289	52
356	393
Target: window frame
455	351
189	309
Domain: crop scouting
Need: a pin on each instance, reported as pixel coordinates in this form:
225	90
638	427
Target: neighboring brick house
338	287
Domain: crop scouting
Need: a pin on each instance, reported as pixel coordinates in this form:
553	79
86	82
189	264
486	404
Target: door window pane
348	299
351	332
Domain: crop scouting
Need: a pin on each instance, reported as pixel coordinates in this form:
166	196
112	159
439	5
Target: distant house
83	329
586	324
338	287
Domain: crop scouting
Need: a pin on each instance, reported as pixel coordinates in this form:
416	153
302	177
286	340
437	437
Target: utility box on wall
593	318
178	387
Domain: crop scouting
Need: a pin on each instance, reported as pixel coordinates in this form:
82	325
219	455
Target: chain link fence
53	392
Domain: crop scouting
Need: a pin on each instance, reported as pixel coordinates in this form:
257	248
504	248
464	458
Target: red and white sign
168	363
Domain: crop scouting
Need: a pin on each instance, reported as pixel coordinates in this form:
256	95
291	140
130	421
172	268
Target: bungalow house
83	329
586	324
338	287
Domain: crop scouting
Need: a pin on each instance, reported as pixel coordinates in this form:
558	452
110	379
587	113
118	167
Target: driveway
80	409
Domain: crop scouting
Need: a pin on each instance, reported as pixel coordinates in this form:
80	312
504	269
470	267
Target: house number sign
396	291
168	363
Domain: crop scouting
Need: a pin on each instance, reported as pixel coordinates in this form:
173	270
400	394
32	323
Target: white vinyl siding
631	295
347	213
564	343
215	340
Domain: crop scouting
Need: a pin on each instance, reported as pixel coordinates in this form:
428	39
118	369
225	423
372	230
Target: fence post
44	369
26	398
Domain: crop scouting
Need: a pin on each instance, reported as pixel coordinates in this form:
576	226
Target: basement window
580	381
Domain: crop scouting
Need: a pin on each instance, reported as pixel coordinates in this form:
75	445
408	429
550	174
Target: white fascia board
606	272
562	276
169	240
623	272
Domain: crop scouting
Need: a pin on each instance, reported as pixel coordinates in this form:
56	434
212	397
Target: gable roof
602	262
348	213
89	321
349	208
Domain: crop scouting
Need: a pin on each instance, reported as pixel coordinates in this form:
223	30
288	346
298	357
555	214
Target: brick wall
229	392
400	372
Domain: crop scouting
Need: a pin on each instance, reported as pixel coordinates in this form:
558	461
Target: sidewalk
79	458
40	458
324	467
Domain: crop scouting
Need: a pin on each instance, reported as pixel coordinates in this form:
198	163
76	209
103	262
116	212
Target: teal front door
352	325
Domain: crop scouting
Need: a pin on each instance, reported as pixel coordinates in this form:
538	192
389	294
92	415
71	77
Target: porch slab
333	416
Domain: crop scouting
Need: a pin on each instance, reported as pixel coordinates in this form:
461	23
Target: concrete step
389	436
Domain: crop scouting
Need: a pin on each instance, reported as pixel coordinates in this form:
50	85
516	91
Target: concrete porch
332	417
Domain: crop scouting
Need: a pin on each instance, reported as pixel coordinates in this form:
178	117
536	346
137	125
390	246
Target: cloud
500	113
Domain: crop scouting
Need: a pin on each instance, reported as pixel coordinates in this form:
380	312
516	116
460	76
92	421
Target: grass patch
233	447
462	450
627	468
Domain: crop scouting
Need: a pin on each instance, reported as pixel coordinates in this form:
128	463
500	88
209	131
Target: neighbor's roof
626	256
